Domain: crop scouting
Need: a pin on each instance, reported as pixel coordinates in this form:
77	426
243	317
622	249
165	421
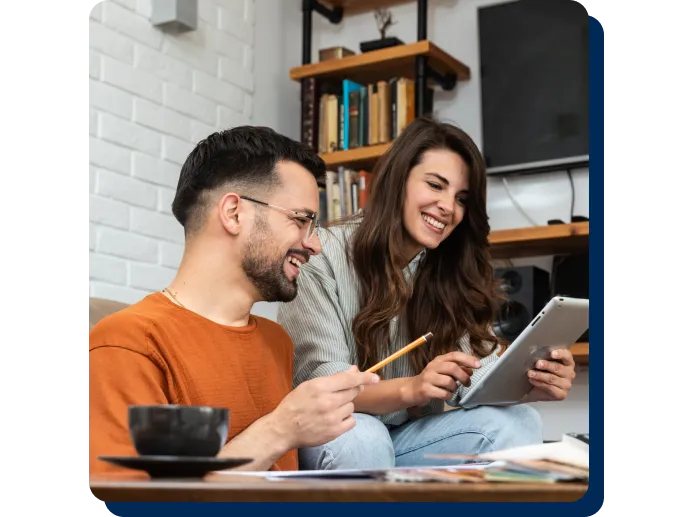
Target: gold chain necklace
173	296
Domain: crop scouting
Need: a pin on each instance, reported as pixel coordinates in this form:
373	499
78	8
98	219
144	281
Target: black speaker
570	277
526	290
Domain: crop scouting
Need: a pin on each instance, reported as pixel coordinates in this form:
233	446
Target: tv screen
534	57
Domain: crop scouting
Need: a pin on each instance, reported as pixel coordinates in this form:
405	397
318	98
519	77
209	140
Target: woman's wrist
406	392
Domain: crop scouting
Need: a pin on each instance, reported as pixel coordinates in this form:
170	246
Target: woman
416	260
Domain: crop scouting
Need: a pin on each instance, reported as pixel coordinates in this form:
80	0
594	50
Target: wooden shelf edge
351	156
401	52
580	351
539	240
553	231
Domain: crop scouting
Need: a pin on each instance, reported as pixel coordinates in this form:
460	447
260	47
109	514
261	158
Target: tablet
561	322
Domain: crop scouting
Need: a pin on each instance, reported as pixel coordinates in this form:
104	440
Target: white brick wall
152	97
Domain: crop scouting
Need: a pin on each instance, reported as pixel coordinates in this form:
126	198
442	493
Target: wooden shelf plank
383	64
360	157
539	240
580	351
359	6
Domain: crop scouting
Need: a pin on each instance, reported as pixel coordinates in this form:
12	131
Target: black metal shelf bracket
333	15
446	81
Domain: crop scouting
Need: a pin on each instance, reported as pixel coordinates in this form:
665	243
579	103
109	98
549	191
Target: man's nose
312	245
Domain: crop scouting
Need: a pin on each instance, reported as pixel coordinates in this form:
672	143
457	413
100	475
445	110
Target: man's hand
552	378
439	378
321	409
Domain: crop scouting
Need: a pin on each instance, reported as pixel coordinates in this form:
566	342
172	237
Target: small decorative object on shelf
335	53
383	17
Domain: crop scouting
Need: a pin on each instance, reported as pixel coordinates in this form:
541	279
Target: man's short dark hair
243	158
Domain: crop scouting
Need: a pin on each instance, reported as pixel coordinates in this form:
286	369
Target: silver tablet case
561	322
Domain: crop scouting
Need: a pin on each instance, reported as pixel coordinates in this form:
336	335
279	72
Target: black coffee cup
172	430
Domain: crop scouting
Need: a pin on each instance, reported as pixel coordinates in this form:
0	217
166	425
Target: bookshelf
421	63
369	67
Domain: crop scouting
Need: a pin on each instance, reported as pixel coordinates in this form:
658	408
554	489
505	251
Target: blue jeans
371	445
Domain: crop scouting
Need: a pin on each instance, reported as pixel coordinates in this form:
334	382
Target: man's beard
265	269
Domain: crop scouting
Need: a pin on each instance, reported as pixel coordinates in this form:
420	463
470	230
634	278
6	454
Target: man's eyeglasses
308	220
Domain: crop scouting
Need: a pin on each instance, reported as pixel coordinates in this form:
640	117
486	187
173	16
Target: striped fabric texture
319	322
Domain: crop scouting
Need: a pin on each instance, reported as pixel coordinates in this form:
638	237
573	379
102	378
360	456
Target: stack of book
567	460
355	115
345	192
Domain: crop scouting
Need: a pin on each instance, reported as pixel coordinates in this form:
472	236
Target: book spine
342	122
309	113
342	190
363	117
353	111
394	95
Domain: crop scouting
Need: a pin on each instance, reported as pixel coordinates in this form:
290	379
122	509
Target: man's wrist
278	433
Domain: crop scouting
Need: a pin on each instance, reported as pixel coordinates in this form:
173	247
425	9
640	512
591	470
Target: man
247	199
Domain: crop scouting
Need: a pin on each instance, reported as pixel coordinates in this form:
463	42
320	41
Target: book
350	110
569	451
309	112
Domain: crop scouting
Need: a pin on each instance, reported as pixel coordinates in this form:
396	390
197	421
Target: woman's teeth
434	222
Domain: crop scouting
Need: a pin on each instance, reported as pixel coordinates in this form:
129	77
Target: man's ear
229	213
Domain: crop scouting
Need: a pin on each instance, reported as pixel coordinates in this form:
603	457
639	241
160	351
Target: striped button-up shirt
319	322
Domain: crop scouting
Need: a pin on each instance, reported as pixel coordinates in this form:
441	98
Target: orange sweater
156	352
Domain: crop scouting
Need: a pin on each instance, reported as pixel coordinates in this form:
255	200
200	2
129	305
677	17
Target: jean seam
328	452
444	437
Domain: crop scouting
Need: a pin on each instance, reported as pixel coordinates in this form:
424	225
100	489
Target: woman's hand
439	378
552	378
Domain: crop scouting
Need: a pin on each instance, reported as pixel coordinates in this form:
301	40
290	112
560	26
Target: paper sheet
349	473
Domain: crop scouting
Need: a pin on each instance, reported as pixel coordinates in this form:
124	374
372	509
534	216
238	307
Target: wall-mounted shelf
399	61
580	352
539	240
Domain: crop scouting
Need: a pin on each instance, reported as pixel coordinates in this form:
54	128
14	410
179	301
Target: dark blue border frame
593	499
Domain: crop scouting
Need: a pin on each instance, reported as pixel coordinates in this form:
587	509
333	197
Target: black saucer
175	466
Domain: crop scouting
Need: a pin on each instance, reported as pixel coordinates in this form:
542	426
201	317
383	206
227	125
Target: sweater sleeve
118	377
316	323
487	363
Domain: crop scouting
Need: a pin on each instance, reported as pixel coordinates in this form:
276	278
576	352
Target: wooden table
237	488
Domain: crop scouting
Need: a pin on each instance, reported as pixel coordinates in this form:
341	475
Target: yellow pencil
399	353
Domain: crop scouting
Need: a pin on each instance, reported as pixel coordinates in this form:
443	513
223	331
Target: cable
571	182
557	260
514	202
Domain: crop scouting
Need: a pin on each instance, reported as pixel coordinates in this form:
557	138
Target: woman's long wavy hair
452	294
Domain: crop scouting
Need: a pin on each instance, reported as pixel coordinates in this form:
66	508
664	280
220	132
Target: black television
534	75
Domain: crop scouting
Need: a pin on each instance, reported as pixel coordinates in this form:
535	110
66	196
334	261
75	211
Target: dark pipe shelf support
421	61
333	15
